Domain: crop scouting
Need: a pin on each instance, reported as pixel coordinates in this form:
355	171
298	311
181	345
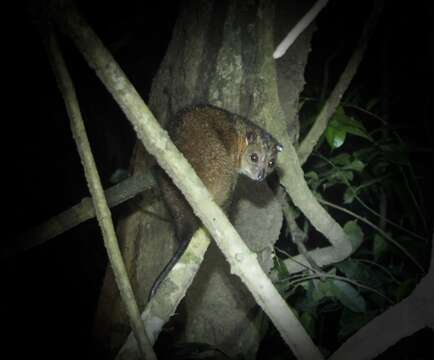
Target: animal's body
220	146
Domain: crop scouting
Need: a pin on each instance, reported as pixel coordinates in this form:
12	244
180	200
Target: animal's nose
261	175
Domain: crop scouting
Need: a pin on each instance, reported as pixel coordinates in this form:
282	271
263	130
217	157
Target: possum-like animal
220	146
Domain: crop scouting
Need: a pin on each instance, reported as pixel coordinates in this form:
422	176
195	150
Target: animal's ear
279	147
250	136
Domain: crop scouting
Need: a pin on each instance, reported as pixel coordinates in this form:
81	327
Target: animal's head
259	156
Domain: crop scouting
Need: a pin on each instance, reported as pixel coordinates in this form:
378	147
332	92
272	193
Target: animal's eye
271	163
254	157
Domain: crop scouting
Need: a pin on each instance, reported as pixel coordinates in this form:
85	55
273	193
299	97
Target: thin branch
341	278
298	236
79	213
268	108
361	202
380	231
304	22
363	110
399	321
163	305
373	263
157	142
94	183
349	105
293	258
342	85
291	174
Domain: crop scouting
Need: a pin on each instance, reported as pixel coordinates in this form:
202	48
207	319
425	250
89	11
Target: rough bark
211	59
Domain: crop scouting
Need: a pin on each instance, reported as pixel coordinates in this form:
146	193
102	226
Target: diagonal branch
399	321
304	22
78	214
100	203
161	307
318	128
156	140
291	175
130	187
291	161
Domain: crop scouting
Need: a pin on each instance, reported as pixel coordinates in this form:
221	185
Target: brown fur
216	143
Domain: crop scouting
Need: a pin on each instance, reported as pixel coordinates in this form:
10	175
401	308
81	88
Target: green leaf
311	175
347	162
308	322
340	125
348	296
354	127
338	177
282	270
323	288
380	246
354	233
281	285
341	159
335	135
349	195
356	165
366	154
362	273
349	267
308	302
320	290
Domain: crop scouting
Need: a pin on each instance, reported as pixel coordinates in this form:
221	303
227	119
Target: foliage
367	173
340	125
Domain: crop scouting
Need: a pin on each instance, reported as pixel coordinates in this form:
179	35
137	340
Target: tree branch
291	174
156	140
84	211
79	213
293	179
94	183
298	236
161	307
318	128
304	22
397	322
379	230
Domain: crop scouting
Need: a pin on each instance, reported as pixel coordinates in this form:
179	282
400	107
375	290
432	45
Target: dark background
50	292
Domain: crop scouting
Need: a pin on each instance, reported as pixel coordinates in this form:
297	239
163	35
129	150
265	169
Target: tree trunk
212	58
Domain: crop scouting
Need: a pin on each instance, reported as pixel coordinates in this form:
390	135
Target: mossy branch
291	174
95	187
130	187
78	214
163	305
156	140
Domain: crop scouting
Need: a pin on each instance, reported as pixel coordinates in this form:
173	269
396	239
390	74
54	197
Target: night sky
50	292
